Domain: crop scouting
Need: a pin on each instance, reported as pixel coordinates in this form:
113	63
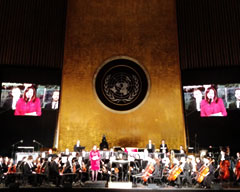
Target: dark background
32	46
31	50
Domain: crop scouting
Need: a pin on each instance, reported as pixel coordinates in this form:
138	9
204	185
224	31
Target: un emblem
121	84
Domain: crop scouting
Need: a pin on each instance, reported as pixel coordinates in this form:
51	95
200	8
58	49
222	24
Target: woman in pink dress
95	162
212	105
29	104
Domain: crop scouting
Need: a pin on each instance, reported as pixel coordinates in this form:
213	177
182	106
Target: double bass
224	172
237	170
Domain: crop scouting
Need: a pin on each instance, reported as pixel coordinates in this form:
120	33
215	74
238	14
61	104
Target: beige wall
98	30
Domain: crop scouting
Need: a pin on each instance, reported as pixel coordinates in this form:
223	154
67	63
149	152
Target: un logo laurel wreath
121	84
112	96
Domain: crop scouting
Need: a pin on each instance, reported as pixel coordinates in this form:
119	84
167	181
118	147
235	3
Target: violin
84	168
74	170
116	170
224	172
38	169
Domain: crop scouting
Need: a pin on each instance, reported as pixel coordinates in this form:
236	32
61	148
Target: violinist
11	167
10	175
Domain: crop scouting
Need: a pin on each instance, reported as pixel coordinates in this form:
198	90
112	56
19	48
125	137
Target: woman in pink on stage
29	104
95	162
212	105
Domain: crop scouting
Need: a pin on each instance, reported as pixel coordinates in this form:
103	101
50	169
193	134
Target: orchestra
175	169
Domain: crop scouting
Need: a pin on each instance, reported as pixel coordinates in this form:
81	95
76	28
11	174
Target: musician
94	157
1	169
163	147
187	170
28	171
104	144
20	164
45	168
237	168
222	156
5	164
54	170
10	175
179	167
209	178
181	151
150	147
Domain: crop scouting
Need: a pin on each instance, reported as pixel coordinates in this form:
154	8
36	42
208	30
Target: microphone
35	141
21	141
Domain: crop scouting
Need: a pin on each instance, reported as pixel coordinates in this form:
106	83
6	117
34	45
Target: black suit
233	105
161	148
28	175
49	106
54	173
152	148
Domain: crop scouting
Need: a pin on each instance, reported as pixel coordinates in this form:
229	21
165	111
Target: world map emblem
121	84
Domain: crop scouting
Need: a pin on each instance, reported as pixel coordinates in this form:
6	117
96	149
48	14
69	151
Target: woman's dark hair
215	94
34	94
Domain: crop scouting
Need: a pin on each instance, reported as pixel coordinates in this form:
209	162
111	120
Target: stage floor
101	186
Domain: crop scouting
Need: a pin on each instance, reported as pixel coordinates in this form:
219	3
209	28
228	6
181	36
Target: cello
203	172
176	171
148	171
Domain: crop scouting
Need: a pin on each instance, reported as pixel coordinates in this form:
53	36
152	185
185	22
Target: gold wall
145	30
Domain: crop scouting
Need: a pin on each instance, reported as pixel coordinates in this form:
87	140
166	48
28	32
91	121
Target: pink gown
95	164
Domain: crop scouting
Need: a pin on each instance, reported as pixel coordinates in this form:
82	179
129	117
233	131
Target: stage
102	186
